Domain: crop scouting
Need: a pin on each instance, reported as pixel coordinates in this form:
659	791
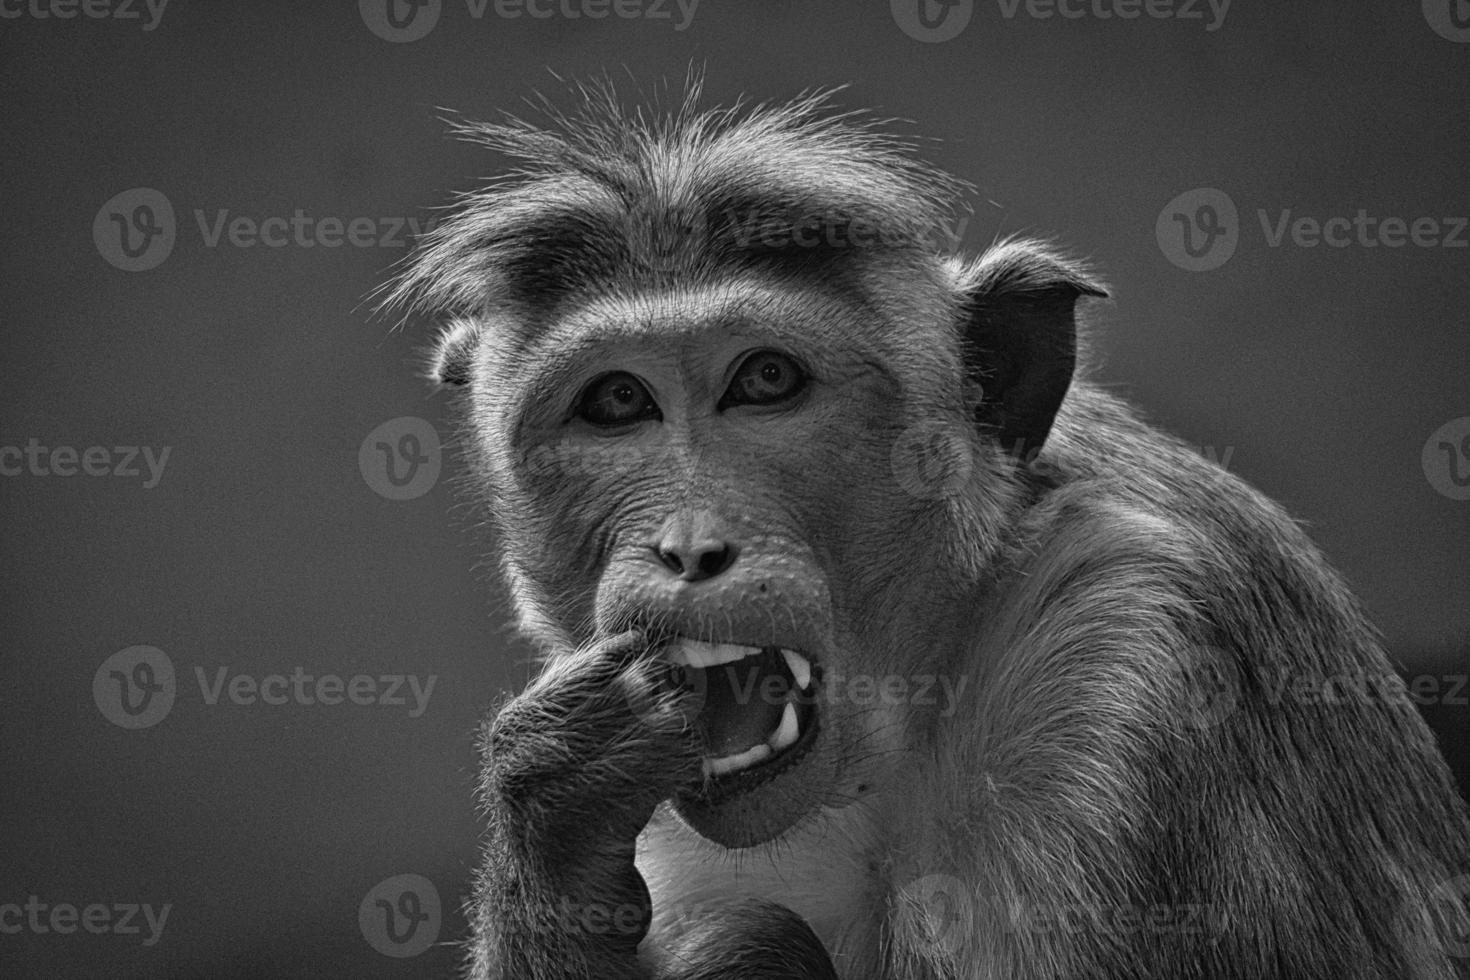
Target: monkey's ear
1019	336
454	352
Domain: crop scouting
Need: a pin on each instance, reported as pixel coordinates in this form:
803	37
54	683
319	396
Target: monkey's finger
621	649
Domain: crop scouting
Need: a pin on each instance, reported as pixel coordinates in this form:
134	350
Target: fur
1135	783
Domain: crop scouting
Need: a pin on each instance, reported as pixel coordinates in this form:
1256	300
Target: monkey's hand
573	769
748	940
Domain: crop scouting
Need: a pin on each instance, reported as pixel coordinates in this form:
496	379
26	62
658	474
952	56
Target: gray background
1321	371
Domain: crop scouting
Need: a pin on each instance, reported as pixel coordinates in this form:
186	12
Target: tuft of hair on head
607	195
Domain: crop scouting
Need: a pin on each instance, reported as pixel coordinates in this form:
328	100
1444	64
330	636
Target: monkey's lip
753	706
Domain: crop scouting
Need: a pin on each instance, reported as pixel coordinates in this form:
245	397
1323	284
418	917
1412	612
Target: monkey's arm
573	770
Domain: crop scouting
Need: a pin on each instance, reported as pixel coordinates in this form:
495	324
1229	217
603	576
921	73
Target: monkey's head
720	383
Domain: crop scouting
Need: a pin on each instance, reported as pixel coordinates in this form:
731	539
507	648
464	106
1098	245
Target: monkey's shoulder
1130	513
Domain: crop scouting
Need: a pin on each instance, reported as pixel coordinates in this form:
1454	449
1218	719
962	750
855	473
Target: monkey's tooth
785	735
734	763
800	669
697	654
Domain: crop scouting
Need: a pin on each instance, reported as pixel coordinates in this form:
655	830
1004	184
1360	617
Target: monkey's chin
751	808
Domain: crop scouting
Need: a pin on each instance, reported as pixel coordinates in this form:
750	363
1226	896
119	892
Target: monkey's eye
617	398
764	378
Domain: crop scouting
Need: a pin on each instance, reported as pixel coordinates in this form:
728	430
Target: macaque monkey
880	643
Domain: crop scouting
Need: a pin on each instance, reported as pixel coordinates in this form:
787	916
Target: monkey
879	640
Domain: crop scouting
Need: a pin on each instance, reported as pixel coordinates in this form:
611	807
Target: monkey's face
715	466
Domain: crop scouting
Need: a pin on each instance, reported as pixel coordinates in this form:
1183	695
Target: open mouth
757	710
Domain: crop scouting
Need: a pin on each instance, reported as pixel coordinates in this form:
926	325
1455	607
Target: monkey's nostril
715	560
697	562
671	560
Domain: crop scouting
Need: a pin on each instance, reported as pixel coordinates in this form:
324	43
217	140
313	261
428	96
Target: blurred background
198	199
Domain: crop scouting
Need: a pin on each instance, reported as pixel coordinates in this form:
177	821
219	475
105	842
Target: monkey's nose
695	561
